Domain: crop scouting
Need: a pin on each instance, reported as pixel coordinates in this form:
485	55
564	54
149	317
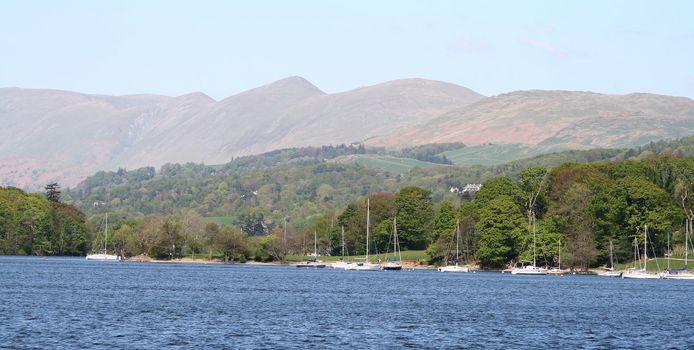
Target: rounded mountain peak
294	83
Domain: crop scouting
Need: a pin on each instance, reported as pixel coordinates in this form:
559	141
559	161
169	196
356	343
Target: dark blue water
72	303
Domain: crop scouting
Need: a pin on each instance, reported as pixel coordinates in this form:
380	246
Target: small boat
610	272
342	264
530	269
680	273
455	268
392	264
558	270
104	255
366	265
313	263
641	273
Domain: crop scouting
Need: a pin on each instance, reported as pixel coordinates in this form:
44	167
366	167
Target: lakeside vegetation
34	224
238	210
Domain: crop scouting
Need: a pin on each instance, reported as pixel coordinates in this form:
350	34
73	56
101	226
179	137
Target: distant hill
52	135
555	120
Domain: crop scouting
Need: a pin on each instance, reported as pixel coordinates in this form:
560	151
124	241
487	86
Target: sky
225	47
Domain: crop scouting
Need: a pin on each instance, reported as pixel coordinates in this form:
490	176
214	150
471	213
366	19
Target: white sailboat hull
639	274
529	270
610	274
678	276
392	267
454	268
557	271
365	267
103	257
340	265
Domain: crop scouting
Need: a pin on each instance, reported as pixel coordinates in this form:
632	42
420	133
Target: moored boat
104	255
456	267
366	265
609	271
394	262
558	270
313	263
530	269
641	273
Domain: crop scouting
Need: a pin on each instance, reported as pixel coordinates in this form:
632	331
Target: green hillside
393	165
488	154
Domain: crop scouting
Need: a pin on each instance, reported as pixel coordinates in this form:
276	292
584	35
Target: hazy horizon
220	49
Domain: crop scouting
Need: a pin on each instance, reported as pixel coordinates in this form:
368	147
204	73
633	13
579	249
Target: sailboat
392	265
680	273
104	255
342	264
530	269
558	270
366	265
314	263
641	273
610	270
456	267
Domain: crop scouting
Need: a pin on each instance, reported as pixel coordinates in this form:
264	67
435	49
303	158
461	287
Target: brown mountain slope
57	135
555	120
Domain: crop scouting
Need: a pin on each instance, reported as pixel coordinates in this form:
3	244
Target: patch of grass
390	164
653	266
489	154
220	220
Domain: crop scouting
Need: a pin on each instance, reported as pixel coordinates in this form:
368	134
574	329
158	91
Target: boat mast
343	242
668	250
645	250
559	254
611	257
397	238
105	231
636	253
534	242
315	244
368	223
686	245
457	241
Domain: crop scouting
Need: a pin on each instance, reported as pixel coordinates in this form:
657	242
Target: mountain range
51	135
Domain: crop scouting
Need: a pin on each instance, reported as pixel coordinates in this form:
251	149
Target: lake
51	303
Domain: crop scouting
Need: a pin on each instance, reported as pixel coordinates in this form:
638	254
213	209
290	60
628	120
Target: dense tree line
34	224
580	208
254	195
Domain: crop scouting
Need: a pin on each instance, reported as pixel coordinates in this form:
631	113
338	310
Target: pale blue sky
225	47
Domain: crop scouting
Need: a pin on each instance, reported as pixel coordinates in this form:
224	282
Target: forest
266	207
34	224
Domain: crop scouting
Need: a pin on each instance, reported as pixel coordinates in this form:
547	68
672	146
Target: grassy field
220	220
653	266
393	165
487	154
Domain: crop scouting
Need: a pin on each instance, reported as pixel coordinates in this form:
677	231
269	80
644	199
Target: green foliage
231	242
415	212
444	221
584	205
500	231
433	153
31	224
53	192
